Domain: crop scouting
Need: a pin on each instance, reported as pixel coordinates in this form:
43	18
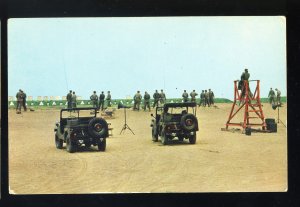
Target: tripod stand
278	106
125	126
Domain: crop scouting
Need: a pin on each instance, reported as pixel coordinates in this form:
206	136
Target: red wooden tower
251	104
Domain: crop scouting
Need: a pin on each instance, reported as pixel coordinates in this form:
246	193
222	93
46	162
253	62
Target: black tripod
278	106
126	125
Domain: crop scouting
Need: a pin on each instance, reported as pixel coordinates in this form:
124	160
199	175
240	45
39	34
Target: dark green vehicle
175	120
80	126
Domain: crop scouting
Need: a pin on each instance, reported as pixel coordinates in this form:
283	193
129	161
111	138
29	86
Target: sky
50	56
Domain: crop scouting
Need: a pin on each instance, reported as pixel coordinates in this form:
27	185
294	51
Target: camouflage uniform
211	97
271	96
278	96
101	100
108	99
206	97
137	101
24	101
94	99
73	100
69	99
156	98
19	97
162	97
193	96
185	96
202	98
146	101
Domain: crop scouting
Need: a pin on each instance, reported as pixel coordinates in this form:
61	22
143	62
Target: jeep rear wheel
58	142
163	137
98	128
102	145
70	146
192	139
154	135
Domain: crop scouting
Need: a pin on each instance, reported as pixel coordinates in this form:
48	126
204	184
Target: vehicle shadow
83	149
174	142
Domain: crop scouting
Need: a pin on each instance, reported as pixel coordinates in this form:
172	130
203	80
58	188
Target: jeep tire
102	145
154	135
192	138
99	132
188	122
70	145
58	142
163	137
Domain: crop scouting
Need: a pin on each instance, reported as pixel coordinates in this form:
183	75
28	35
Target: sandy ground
220	161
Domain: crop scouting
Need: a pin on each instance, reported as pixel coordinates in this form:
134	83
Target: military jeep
80	126
174	120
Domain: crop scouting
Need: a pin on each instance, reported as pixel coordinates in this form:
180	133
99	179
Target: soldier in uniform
185	96
162	97
156	98
94	99
19	97
202	98
193	95
271	96
101	100
108	99
245	77
278	95
146	101
206	97
137	101
24	100
73	100
211	97
69	99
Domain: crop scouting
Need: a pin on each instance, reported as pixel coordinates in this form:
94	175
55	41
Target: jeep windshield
78	113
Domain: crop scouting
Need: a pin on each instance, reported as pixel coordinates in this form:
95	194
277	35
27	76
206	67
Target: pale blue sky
49	56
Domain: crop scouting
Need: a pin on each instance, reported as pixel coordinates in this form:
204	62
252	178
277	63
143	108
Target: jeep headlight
192	133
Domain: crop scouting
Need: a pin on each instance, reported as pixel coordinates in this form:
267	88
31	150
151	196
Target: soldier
94	99
108	99
162	97
271	96
137	101
73	100
146	101
101	100
211	97
278	95
193	95
202	98
69	99
244	77
156	98
185	96
24	101
206	97
19	97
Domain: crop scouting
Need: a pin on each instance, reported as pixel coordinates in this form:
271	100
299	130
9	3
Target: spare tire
189	122
98	128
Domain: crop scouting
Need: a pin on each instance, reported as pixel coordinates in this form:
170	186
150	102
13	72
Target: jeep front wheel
192	138
70	146
163	137
102	145
58	142
154	135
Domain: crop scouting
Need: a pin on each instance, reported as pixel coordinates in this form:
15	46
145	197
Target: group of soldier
71	99
158	98
21	101
272	96
98	102
206	97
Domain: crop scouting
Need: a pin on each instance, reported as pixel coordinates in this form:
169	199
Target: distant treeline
127	102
